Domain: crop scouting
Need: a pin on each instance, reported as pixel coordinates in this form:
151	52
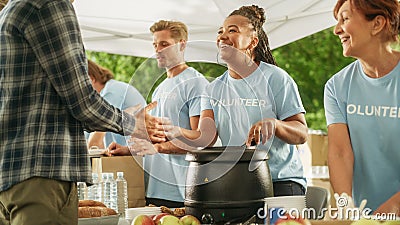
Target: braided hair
256	16
3	4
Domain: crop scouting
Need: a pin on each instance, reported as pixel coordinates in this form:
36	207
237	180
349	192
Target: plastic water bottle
122	194
82	192
109	186
113	192
94	191
106	189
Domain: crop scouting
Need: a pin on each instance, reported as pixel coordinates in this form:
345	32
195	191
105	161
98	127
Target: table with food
205	204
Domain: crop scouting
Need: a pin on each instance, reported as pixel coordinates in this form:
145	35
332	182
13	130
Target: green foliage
209	70
311	61
143	73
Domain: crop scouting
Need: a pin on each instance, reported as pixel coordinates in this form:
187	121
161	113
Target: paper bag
132	166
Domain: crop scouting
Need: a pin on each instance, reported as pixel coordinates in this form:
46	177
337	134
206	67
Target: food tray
104	220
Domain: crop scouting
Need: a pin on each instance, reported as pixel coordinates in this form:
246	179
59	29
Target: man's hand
117	149
172	132
149	127
139	146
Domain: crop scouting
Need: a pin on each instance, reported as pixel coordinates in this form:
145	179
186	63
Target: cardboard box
318	144
132	166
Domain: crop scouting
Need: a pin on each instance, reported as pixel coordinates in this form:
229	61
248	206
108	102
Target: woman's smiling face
353	29
236	33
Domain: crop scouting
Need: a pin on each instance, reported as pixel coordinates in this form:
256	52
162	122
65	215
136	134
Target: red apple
289	220
142	220
189	220
158	217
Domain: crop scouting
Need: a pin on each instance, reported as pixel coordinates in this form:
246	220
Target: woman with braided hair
256	16
253	101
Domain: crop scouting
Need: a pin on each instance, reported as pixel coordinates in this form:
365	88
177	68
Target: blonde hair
178	29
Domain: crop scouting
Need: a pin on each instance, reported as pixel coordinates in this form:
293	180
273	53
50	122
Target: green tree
143	73
311	61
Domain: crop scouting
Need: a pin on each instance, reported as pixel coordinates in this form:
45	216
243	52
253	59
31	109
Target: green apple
170	220
288	220
391	222
189	220
364	221
142	220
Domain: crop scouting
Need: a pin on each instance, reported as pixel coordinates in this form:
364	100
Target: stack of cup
279	206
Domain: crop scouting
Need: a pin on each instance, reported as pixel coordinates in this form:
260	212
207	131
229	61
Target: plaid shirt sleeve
45	95
55	38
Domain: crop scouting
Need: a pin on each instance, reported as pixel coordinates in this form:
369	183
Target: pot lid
227	154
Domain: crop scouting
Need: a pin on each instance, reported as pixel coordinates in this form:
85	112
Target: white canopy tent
122	26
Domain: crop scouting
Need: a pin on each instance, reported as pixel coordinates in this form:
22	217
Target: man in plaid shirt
46	101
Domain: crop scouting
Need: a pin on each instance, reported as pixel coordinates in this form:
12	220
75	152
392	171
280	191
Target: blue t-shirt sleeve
121	95
195	94
205	101
287	100
133	98
113	98
333	111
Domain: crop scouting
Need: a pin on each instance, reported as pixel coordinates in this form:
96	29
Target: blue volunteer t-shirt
269	92
371	109
120	95
178	99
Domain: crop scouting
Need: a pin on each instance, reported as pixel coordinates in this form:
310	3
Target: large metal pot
226	183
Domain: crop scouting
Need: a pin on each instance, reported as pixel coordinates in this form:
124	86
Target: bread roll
95	211
179	212
90	203
165	209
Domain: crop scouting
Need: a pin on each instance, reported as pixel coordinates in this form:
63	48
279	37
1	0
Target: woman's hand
262	131
172	132
392	205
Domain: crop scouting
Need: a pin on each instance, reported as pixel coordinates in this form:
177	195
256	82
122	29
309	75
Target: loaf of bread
95	211
91	208
90	203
